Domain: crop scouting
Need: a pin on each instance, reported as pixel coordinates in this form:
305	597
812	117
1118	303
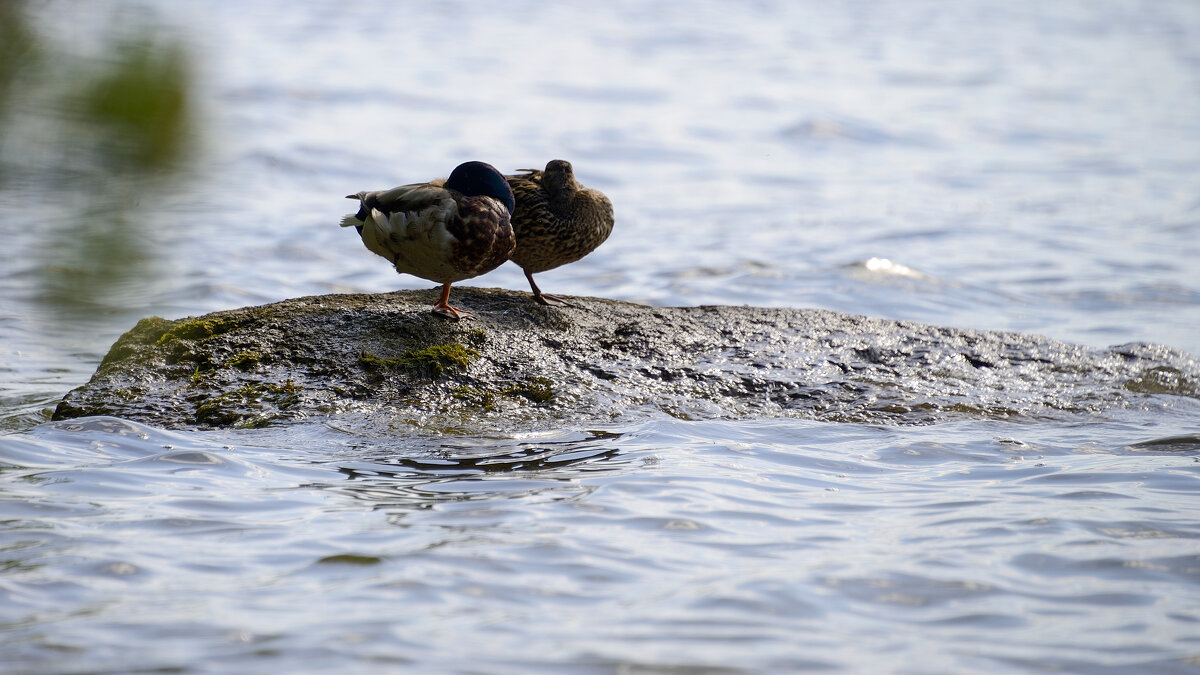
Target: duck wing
408	225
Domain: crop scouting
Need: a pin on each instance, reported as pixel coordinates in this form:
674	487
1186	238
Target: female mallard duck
445	230
557	221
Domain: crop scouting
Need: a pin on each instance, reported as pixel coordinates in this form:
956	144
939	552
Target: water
1025	166
755	547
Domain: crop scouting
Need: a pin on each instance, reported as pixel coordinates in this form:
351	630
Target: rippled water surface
1023	166
737	548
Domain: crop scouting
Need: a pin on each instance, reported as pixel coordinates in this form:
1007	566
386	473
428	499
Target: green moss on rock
152	327
533	389
197	329
252	404
245	360
147	331
1161	380
428	362
536	389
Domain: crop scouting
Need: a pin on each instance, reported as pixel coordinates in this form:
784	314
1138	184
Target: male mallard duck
445	230
557	221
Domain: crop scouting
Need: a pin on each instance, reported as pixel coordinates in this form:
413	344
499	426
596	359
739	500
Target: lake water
1024	166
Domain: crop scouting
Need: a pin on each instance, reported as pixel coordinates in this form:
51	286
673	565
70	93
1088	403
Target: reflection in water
95	140
19	51
524	470
138	105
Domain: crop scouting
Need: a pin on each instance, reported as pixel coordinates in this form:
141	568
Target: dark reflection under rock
468	473
1187	443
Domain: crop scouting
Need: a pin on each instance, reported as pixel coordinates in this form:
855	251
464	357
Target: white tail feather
350	220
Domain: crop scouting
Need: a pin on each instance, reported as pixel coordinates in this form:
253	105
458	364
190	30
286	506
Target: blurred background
998	165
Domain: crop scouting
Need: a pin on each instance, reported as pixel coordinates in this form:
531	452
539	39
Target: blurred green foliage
140	105
18	51
84	137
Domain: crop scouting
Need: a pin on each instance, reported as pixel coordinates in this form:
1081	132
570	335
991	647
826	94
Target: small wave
1168	445
883	267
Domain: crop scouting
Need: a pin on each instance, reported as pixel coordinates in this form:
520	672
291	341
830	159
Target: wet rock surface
376	363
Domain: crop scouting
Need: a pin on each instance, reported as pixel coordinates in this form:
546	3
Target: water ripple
724	540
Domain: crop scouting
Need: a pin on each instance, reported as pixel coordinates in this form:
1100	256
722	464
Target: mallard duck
557	221
446	230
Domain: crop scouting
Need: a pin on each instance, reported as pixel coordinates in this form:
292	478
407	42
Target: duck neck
561	202
561	190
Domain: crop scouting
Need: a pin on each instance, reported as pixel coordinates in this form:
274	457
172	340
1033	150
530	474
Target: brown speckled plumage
480	246
556	221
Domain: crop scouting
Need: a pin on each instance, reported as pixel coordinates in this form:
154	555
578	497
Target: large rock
375	363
